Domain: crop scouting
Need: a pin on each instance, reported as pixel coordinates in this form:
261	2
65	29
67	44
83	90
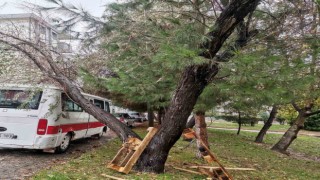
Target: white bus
45	118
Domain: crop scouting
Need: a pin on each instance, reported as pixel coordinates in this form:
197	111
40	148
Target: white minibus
45	118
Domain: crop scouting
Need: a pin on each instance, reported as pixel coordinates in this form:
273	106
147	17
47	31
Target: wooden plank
139	151
111	177
118	156
187	170
126	159
215	159
212	167
209	160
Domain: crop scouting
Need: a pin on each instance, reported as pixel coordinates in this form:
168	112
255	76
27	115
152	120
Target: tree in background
309	54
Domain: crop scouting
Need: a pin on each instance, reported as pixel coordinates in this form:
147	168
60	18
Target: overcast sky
95	7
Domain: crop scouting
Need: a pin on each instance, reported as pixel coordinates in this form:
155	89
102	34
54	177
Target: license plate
6	136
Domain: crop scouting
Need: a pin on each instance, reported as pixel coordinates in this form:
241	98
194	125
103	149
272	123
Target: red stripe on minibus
73	127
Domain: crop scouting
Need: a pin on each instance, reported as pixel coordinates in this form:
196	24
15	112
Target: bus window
69	105
106	106
99	103
19	99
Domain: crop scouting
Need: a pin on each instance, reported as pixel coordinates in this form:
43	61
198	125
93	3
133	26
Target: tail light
122	119
42	126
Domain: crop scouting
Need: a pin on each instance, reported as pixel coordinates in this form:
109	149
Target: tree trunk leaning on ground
192	82
44	61
267	125
292	133
201	132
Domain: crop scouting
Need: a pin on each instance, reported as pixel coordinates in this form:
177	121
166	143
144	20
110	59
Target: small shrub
312	123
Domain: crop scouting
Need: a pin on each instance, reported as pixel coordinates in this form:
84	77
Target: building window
43	33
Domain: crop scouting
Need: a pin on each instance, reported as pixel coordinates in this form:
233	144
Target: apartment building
30	27
35	29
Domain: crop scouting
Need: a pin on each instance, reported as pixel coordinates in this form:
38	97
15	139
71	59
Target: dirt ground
21	164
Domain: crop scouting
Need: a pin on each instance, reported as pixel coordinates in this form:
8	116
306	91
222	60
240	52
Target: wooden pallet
218	173
131	150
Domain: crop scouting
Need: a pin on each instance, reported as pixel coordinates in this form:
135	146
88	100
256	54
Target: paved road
301	132
21	164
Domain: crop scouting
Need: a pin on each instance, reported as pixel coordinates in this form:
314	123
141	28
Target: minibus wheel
65	143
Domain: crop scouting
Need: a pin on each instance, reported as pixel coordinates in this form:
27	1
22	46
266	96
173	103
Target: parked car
125	118
138	116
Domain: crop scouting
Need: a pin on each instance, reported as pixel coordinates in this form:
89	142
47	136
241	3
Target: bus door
74	118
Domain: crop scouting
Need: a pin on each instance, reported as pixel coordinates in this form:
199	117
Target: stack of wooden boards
130	151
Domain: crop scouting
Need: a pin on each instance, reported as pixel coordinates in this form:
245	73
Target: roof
43	86
27	16
27	86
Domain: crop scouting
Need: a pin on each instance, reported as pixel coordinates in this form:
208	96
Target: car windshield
135	114
126	116
19	99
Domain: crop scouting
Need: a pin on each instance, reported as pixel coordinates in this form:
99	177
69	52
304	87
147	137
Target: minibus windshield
19	99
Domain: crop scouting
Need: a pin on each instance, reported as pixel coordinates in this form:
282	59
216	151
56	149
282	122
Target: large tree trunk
150	117
201	132
112	122
190	87
291	133
267	125
193	80
161	113
239	123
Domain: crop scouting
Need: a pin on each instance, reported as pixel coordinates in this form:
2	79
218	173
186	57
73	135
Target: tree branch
295	106
224	26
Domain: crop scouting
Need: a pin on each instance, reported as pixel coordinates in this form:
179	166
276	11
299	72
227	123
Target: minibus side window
69	105
99	103
107	107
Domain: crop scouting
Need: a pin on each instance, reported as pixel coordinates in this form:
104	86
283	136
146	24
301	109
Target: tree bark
160	115
150	117
112	122
191	122
190	87
291	134
239	123
201	132
267	124
193	80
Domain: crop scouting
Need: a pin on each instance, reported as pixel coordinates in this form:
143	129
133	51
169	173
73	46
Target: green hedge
312	123
244	120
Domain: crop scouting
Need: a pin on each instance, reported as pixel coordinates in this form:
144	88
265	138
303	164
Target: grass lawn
232	151
232	125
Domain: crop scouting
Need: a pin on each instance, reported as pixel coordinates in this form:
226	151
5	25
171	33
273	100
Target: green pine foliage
148	50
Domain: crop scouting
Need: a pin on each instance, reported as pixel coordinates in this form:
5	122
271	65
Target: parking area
21	164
